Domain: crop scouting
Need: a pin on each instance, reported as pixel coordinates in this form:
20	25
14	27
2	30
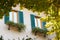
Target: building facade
28	18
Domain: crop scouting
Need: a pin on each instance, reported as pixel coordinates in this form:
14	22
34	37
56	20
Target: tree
6	6
34	5
53	18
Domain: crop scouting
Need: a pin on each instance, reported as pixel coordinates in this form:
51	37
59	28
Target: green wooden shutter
43	25
20	17
32	21
6	19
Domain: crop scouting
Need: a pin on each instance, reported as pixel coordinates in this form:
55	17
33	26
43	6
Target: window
37	22
13	16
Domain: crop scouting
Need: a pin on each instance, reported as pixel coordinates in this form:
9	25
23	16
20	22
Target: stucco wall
11	34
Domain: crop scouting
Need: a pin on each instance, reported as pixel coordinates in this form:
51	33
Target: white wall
27	20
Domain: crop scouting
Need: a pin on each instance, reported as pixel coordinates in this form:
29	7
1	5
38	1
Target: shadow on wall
1	38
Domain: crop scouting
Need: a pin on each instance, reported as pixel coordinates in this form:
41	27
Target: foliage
55	28
6	6
10	23
38	30
17	25
34	5
20	26
53	22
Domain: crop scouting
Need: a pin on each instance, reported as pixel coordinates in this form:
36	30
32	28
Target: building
28	18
